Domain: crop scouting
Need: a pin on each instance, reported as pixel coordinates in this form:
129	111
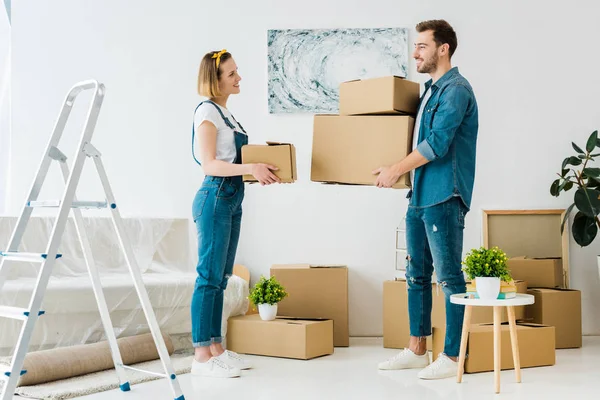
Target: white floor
351	373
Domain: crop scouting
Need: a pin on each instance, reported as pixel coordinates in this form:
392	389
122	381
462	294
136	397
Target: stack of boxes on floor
552	322
311	320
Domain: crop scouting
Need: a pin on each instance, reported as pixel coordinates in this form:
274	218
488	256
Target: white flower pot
267	312
487	288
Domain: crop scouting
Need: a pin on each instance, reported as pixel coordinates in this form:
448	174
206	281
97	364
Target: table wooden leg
514	342
463	343
497	343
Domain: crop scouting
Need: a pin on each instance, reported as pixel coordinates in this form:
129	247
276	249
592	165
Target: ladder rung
16	312
27	257
5	372
146	372
76	204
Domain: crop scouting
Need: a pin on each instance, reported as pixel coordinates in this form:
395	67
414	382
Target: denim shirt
448	139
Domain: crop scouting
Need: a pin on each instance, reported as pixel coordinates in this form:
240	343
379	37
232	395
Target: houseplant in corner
488	268
575	172
266	294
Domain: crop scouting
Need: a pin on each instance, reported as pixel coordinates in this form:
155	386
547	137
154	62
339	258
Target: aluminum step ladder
69	203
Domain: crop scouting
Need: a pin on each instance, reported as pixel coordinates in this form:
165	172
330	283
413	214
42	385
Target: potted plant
266	294
587	196
488	267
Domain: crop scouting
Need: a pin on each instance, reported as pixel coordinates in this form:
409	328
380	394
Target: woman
217	210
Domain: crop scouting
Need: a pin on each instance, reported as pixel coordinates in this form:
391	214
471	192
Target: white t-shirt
417	126
225	136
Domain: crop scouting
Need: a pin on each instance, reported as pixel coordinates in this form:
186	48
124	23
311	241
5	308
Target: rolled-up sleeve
450	113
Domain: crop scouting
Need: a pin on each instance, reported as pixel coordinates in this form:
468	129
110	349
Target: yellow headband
218	56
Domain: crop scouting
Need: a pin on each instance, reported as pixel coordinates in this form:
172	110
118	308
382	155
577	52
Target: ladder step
5	372
16	312
76	204
27	257
147	372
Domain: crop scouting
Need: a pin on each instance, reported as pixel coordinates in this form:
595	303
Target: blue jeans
434	236
217	212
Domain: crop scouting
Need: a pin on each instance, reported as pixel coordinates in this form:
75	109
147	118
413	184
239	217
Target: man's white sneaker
234	360
214	368
404	360
442	367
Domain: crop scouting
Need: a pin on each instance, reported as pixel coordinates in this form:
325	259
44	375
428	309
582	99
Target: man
443	160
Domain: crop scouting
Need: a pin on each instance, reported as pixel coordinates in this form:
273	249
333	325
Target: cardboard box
481	315
396	329
386	95
560	308
283	337
316	291
536	346
537	272
280	155
348	149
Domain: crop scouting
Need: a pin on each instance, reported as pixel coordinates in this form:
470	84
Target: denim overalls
217	212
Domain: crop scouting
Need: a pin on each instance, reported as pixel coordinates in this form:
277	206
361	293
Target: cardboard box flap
297	319
306	266
386	76
483	326
278	143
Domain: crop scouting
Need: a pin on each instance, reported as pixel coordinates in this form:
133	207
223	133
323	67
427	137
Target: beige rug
100	381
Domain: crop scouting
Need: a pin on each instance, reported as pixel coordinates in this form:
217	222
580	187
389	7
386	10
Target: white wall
533	67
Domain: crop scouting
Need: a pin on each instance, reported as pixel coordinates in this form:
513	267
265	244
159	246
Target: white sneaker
214	368
442	367
406	359
234	360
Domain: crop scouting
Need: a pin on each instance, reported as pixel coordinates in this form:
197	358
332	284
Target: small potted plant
488	267
266	294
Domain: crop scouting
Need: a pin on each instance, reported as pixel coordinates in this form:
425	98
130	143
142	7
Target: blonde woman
217	210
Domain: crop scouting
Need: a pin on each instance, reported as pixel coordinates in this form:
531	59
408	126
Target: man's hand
387	177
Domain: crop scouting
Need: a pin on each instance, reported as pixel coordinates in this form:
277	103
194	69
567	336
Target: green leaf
592	142
577	148
554	189
595	155
566	217
568	186
592	172
593	183
565	172
584	229
572	161
582	157
588	201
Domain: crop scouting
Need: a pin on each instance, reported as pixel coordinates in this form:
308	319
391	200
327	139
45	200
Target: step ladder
69	203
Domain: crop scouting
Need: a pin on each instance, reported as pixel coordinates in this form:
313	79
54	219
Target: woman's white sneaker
214	368
406	359
234	360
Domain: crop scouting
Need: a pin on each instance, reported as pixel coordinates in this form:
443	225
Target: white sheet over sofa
165	251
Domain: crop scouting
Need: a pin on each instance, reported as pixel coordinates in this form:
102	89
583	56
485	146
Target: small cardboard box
283	337
560	308
537	272
386	95
316	291
280	155
396	329
347	149
536	346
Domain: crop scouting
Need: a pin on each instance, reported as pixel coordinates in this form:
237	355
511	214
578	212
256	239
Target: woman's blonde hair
209	73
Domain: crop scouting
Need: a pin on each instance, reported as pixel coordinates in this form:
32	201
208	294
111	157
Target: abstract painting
306	66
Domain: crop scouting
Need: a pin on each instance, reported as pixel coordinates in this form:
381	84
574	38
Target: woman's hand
263	173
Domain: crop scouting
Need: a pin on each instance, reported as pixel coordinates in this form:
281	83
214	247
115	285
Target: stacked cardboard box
374	129
316	291
310	321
